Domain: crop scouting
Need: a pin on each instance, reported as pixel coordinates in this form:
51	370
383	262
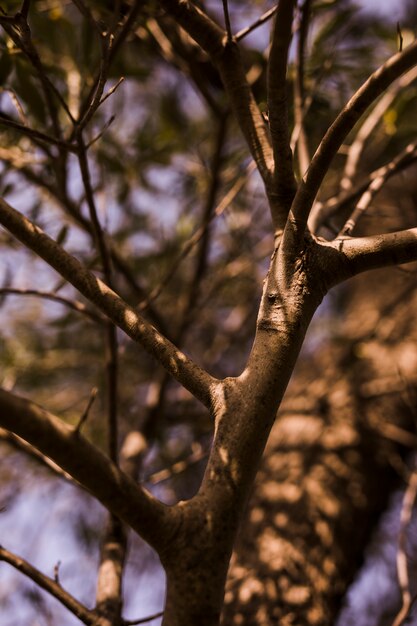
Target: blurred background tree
185	220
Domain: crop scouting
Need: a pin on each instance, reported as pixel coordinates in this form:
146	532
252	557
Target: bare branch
321	212
51	586
75	305
369	126
227	20
284	186
199	233
87	409
366	253
90	467
190	375
143	620
299	109
262	20
331	142
226	56
36	134
408	156
29	450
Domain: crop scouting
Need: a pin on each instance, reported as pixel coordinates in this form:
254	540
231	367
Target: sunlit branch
369	125
321	212
366	253
338	131
51	586
262	20
408	156
190	375
87	465
284	186
74	305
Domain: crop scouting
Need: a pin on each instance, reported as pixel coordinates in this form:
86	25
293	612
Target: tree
60	145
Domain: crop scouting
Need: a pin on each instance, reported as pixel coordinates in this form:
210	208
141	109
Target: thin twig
227	20
51	586
406	157
248	29
112	90
24	446
143	620
36	134
75	305
400	38
195	238
299	108
369	125
86	412
376	84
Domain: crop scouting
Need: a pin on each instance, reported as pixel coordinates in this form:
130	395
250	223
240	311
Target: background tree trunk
326	475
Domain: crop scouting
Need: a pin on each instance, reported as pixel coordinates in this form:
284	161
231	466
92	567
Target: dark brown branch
196	237
284	186
143	620
190	375
227	20
226	56
37	135
302	143
334	137
111	335
27	449
74	305
91	618
204	244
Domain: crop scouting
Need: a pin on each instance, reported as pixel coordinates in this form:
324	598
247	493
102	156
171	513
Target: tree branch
74	305
338	131
91	618
370	124
367	253
299	112
284	186
226	56
406	157
90	467
183	369
22	446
